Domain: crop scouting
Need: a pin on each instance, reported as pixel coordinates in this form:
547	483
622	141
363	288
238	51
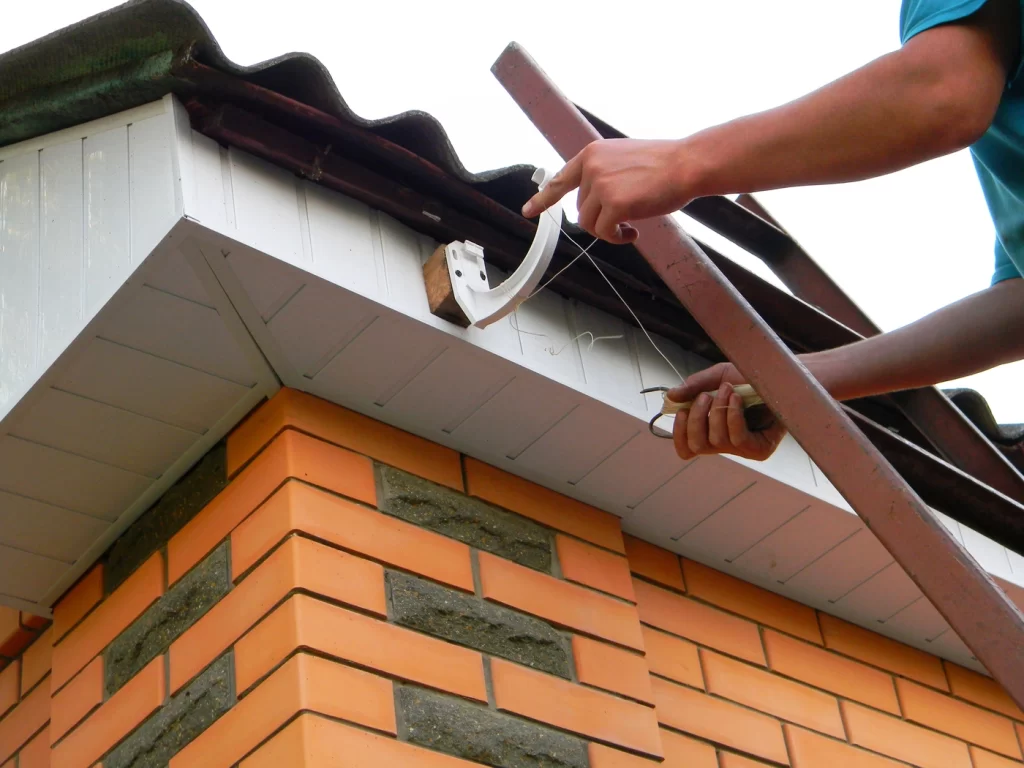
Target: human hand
715	422
619	180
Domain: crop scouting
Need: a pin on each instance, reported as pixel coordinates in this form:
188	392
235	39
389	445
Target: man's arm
935	95
972	335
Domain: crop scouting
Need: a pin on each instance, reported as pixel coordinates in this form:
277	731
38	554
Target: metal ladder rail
977	610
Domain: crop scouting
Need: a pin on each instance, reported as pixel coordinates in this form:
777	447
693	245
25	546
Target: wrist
694	161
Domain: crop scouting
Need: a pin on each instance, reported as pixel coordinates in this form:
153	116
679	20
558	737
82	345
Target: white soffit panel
122	361
332	292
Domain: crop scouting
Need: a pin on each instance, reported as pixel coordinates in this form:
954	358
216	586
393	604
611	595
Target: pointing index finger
562	183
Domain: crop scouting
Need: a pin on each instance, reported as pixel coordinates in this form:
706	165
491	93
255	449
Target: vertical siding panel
547	340
403	264
152	184
1016	567
183	164
60	248
610	367
341	236
19	273
107	227
266	207
211	205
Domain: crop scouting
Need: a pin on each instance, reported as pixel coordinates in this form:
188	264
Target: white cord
593	339
551	350
583	252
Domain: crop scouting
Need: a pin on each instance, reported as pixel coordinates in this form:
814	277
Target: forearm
899	110
977	333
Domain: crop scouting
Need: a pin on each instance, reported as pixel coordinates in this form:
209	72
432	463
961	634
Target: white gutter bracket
484	305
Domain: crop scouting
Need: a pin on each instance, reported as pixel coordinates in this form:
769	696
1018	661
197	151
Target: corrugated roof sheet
130	54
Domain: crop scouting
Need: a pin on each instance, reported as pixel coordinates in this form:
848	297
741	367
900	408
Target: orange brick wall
25	645
671	662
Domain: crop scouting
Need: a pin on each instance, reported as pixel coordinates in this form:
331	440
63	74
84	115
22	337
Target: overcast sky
901	246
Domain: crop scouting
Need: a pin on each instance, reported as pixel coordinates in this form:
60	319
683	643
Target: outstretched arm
972	335
979	332
935	95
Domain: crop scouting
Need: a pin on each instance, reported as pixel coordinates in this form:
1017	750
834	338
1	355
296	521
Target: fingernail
528	209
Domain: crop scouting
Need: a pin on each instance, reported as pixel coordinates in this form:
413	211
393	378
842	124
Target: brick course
108	620
9	686
470	621
477	733
559	601
612	669
464	518
77	602
298	564
76	700
303	683
297	507
325	584
699	622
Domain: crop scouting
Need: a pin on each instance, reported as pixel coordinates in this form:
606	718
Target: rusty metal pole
977	610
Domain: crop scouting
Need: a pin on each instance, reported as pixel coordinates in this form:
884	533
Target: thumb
684	393
702	381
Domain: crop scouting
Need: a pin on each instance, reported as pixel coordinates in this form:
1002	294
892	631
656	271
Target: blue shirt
999	154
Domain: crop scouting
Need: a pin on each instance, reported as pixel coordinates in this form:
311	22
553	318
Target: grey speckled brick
473	622
464	518
473	732
179	721
153	632
177	506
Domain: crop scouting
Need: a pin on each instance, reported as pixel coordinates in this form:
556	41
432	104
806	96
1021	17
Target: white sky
901	246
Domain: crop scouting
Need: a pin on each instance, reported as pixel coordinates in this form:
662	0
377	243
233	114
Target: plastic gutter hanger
484	305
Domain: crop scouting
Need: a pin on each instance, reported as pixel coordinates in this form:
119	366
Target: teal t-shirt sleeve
1005	268
916	16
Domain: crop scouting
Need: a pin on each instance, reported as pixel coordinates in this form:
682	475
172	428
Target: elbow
963	107
954	76
967	118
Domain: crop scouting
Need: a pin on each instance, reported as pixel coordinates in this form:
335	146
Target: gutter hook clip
484	305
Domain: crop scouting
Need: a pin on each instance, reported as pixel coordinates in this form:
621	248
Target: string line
550	280
584	252
551	350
